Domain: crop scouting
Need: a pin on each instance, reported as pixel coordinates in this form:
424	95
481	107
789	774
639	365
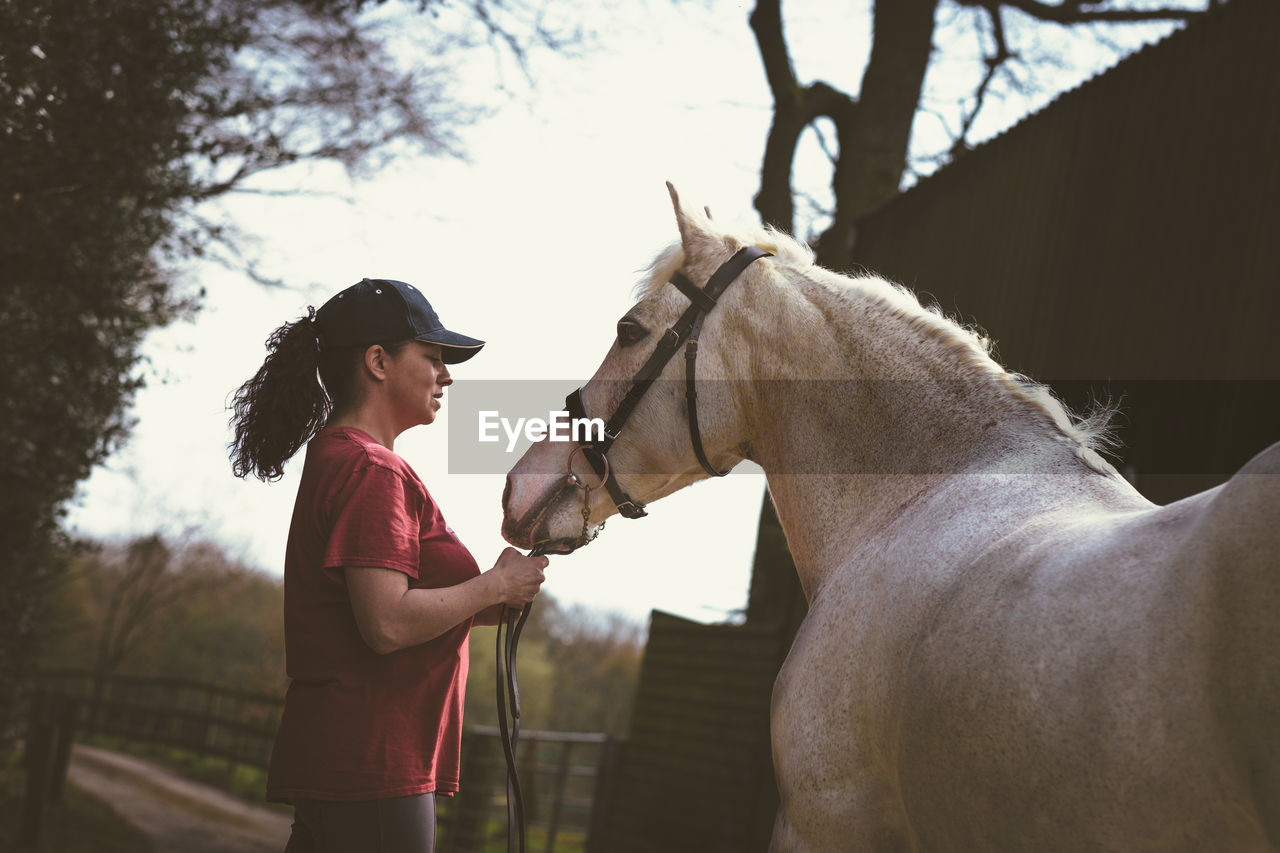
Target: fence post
562	776
207	734
600	800
65	712
469	819
38	757
529	785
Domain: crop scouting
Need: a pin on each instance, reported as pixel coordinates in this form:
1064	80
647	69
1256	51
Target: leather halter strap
684	333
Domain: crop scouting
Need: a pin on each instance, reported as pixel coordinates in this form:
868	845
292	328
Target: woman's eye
630	332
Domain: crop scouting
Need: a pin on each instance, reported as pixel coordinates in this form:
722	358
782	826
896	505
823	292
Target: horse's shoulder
1259	480
1242	517
1239	538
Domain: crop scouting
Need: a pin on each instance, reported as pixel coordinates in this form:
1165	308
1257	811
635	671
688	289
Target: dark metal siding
695	774
1124	242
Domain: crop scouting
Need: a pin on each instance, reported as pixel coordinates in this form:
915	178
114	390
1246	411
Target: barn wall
695	772
1122	243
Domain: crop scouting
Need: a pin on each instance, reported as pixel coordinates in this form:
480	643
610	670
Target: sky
533	243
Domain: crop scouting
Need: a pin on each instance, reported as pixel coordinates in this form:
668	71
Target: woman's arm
392	616
495	615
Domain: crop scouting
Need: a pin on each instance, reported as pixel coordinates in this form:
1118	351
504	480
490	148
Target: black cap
382	310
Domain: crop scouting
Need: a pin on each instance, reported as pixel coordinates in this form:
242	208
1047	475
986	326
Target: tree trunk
873	148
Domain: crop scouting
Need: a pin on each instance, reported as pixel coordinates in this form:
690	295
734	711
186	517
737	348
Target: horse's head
560	492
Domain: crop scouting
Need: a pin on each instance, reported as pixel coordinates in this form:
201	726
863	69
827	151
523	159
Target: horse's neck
879	413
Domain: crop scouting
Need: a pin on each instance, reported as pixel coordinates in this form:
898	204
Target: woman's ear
375	362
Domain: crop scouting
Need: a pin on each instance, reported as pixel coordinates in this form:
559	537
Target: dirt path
176	814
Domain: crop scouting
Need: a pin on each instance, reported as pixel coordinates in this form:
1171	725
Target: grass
568	838
536	836
79	824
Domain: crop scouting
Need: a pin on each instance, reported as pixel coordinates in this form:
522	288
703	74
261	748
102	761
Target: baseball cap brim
454	348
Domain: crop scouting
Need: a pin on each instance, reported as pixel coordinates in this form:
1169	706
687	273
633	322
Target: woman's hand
392	616
517	578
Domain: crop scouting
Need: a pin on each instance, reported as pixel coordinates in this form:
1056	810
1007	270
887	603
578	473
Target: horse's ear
691	232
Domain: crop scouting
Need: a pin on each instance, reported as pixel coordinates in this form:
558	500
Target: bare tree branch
766	23
993	64
1075	12
795	108
873	149
831	153
774	201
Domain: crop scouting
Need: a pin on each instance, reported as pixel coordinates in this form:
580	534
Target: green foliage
151	607
92	140
187	610
578	671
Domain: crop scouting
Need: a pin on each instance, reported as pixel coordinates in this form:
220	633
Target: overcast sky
532	244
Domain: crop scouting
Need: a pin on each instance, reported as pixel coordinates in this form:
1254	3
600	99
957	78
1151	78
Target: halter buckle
631	509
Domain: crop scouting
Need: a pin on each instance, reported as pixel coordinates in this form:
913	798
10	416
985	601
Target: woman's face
416	382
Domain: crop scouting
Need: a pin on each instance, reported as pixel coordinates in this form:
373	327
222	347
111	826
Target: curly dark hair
291	397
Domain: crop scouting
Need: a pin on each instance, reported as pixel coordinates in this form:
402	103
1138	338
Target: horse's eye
630	332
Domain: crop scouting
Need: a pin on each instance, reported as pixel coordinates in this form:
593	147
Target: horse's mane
1091	433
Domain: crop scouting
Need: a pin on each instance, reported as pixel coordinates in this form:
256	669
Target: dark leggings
396	825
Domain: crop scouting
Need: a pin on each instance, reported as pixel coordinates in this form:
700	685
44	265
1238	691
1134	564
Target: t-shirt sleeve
377	521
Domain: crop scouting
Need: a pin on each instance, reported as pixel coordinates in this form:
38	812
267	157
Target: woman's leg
408	824
396	825
300	840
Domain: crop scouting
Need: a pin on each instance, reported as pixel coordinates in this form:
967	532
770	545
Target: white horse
1007	647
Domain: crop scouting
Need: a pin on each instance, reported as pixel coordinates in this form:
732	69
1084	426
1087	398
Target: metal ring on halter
576	480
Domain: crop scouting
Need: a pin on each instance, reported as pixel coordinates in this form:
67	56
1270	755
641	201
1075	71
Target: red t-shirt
358	725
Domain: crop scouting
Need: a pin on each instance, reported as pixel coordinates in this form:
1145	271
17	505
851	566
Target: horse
1007	646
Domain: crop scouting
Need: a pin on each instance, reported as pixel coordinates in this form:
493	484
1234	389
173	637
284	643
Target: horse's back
1236	544
1239	545
1171	619
1135	653
1106	676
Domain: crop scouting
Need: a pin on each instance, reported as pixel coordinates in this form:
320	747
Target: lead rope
509	696
509	687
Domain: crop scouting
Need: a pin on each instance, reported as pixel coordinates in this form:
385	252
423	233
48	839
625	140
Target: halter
683	333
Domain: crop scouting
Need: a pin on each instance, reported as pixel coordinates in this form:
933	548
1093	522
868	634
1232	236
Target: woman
379	593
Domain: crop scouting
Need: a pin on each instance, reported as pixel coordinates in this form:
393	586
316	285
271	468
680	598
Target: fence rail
206	719
564	775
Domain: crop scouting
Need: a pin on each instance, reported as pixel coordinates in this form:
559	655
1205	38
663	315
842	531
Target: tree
873	129
873	132
177	607
119	120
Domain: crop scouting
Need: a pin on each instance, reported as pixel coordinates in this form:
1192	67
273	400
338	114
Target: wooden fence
205	719
565	776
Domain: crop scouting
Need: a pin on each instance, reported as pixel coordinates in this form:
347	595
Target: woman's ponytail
283	406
